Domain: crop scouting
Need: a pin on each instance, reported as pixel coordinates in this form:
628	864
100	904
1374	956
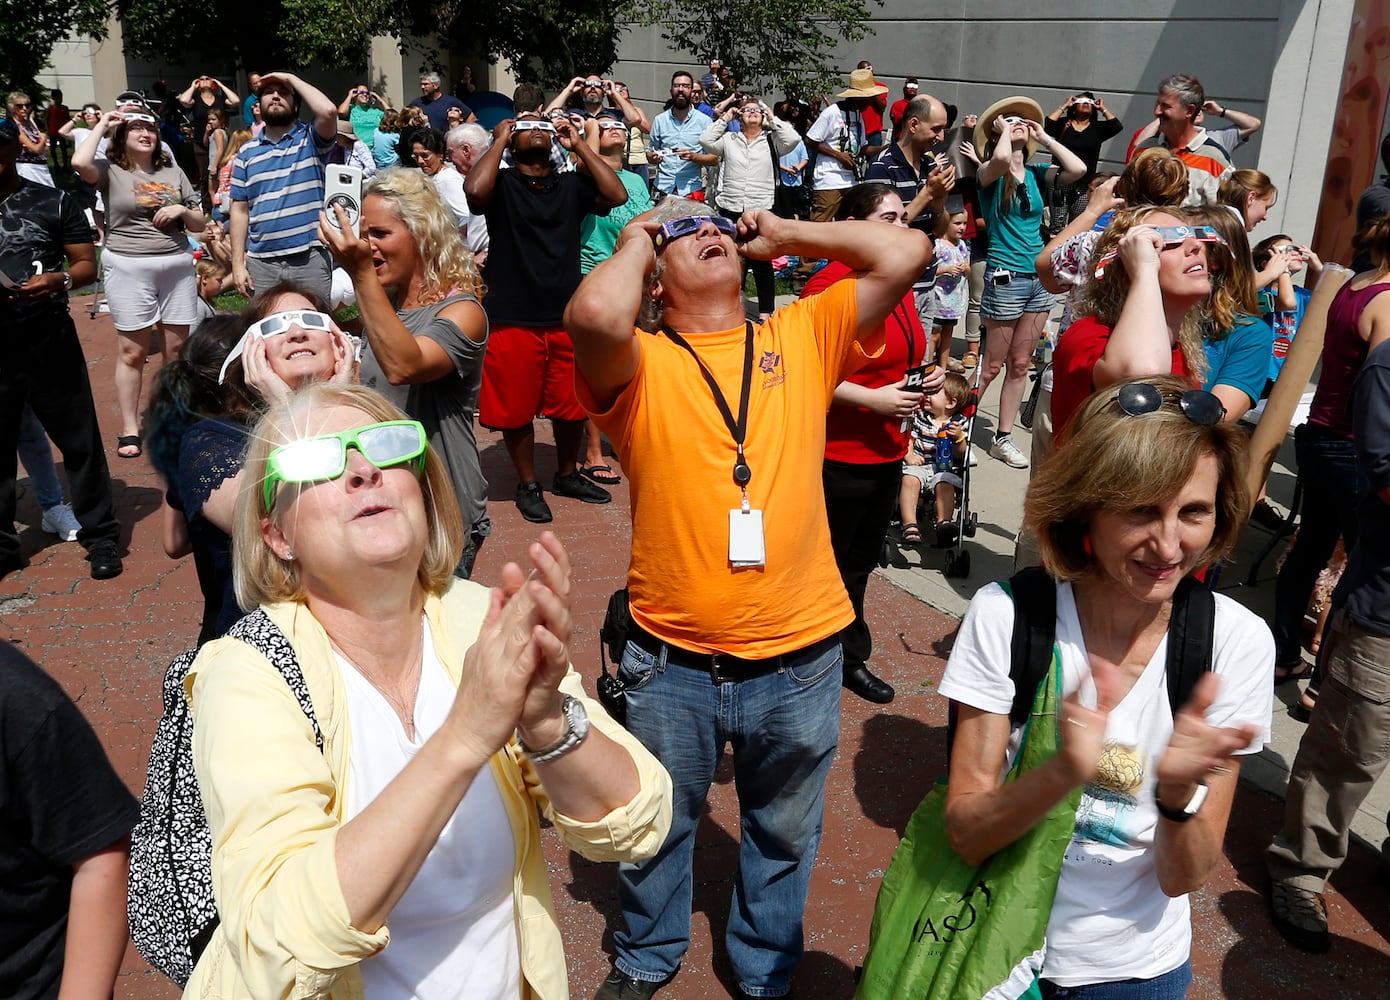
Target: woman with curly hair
1138	315
419	291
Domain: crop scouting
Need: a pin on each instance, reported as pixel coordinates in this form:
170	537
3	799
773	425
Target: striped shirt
282	182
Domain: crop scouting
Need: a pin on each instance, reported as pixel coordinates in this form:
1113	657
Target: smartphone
342	188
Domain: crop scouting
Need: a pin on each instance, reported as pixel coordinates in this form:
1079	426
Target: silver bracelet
577	731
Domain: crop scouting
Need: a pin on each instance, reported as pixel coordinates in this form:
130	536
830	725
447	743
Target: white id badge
746	538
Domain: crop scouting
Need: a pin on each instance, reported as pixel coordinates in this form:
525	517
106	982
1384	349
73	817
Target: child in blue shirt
1283	303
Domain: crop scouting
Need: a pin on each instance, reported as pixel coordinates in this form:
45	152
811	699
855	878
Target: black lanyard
737	428
901	312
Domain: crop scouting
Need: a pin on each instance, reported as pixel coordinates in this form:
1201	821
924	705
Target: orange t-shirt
679	457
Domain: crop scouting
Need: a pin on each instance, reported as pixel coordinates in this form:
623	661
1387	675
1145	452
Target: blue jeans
1169	986
784	727
1332	486
36	455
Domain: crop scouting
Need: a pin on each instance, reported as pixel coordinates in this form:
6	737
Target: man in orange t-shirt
736	602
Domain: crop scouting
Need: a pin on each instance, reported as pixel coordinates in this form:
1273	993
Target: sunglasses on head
1172	236
273	326
1197	405
533	125
686	225
324	457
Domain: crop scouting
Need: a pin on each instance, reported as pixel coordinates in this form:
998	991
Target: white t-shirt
1110	919
453	932
833	129
473	228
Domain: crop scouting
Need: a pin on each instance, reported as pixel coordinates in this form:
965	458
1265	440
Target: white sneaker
1007	452
974	456
59	520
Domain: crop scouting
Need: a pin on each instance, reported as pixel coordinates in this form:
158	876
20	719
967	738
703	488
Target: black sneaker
620	987
576	487
531	502
105	562
946	534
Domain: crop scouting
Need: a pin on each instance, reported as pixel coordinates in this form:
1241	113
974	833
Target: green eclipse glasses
324	456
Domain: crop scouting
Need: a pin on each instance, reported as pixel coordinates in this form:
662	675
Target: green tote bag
945	930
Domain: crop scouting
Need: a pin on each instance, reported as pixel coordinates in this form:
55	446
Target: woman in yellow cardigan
450	716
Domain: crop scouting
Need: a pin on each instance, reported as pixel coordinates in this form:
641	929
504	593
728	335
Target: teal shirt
364	122
598	233
1241	358
1015	236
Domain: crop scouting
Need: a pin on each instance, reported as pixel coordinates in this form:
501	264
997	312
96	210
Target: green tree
32	28
771	45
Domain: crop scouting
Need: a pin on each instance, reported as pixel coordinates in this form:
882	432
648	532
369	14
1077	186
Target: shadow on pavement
897	761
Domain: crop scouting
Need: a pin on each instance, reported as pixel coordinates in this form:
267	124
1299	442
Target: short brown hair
1154	177
262	577
1111	461
957	390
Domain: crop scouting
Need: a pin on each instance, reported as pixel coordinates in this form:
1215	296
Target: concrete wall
1279	60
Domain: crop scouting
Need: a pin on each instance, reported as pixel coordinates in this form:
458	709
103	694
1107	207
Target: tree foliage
32	28
772	45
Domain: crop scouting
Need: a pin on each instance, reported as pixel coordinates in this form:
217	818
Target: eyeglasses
422	154
21	104
1197	405
1172	236
686	225
324	456
273	326
532	125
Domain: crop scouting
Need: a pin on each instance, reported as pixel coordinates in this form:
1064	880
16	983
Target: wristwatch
1186	812
577	721
67	282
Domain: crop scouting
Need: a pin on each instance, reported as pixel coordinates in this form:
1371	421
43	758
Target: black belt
721	667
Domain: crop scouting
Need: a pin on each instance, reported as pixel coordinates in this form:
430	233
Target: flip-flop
129	441
602	475
1285	672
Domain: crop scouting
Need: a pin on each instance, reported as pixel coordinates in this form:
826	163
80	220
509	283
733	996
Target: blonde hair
1111	461
1232	271
1154	177
233	146
1104	297
448	264
262	577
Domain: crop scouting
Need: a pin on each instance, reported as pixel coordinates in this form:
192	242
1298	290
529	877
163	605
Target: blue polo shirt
282	182
674	175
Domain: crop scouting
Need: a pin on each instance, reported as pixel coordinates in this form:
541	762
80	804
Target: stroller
966	521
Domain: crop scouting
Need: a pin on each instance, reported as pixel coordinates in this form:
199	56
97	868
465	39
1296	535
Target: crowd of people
585	263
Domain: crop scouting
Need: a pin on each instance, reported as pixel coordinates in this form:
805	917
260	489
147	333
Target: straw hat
345	128
1021	107
861	84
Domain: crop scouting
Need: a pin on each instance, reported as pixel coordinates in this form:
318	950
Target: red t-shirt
896	113
873	113
852	433
1073	363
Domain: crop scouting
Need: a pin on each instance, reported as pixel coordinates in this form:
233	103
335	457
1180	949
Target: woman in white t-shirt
1147	489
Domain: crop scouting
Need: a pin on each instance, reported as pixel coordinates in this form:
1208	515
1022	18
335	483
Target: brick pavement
108	643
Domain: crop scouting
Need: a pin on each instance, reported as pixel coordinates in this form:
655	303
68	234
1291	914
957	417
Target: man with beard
533	219
675	141
277	191
40	228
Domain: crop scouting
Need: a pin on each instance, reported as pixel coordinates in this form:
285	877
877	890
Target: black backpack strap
1035	631
1190	632
265	637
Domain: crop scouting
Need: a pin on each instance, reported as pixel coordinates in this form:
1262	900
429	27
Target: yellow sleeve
631	832
271	805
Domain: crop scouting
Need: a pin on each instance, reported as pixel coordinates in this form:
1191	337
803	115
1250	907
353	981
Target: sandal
129	441
953	365
601	475
1295	670
1302	710
912	535
970	359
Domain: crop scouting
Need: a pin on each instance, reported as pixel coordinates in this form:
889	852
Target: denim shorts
1024	293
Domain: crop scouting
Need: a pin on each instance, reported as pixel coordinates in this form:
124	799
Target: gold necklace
404	707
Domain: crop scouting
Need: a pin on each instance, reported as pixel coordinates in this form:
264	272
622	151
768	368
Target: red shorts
528	372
